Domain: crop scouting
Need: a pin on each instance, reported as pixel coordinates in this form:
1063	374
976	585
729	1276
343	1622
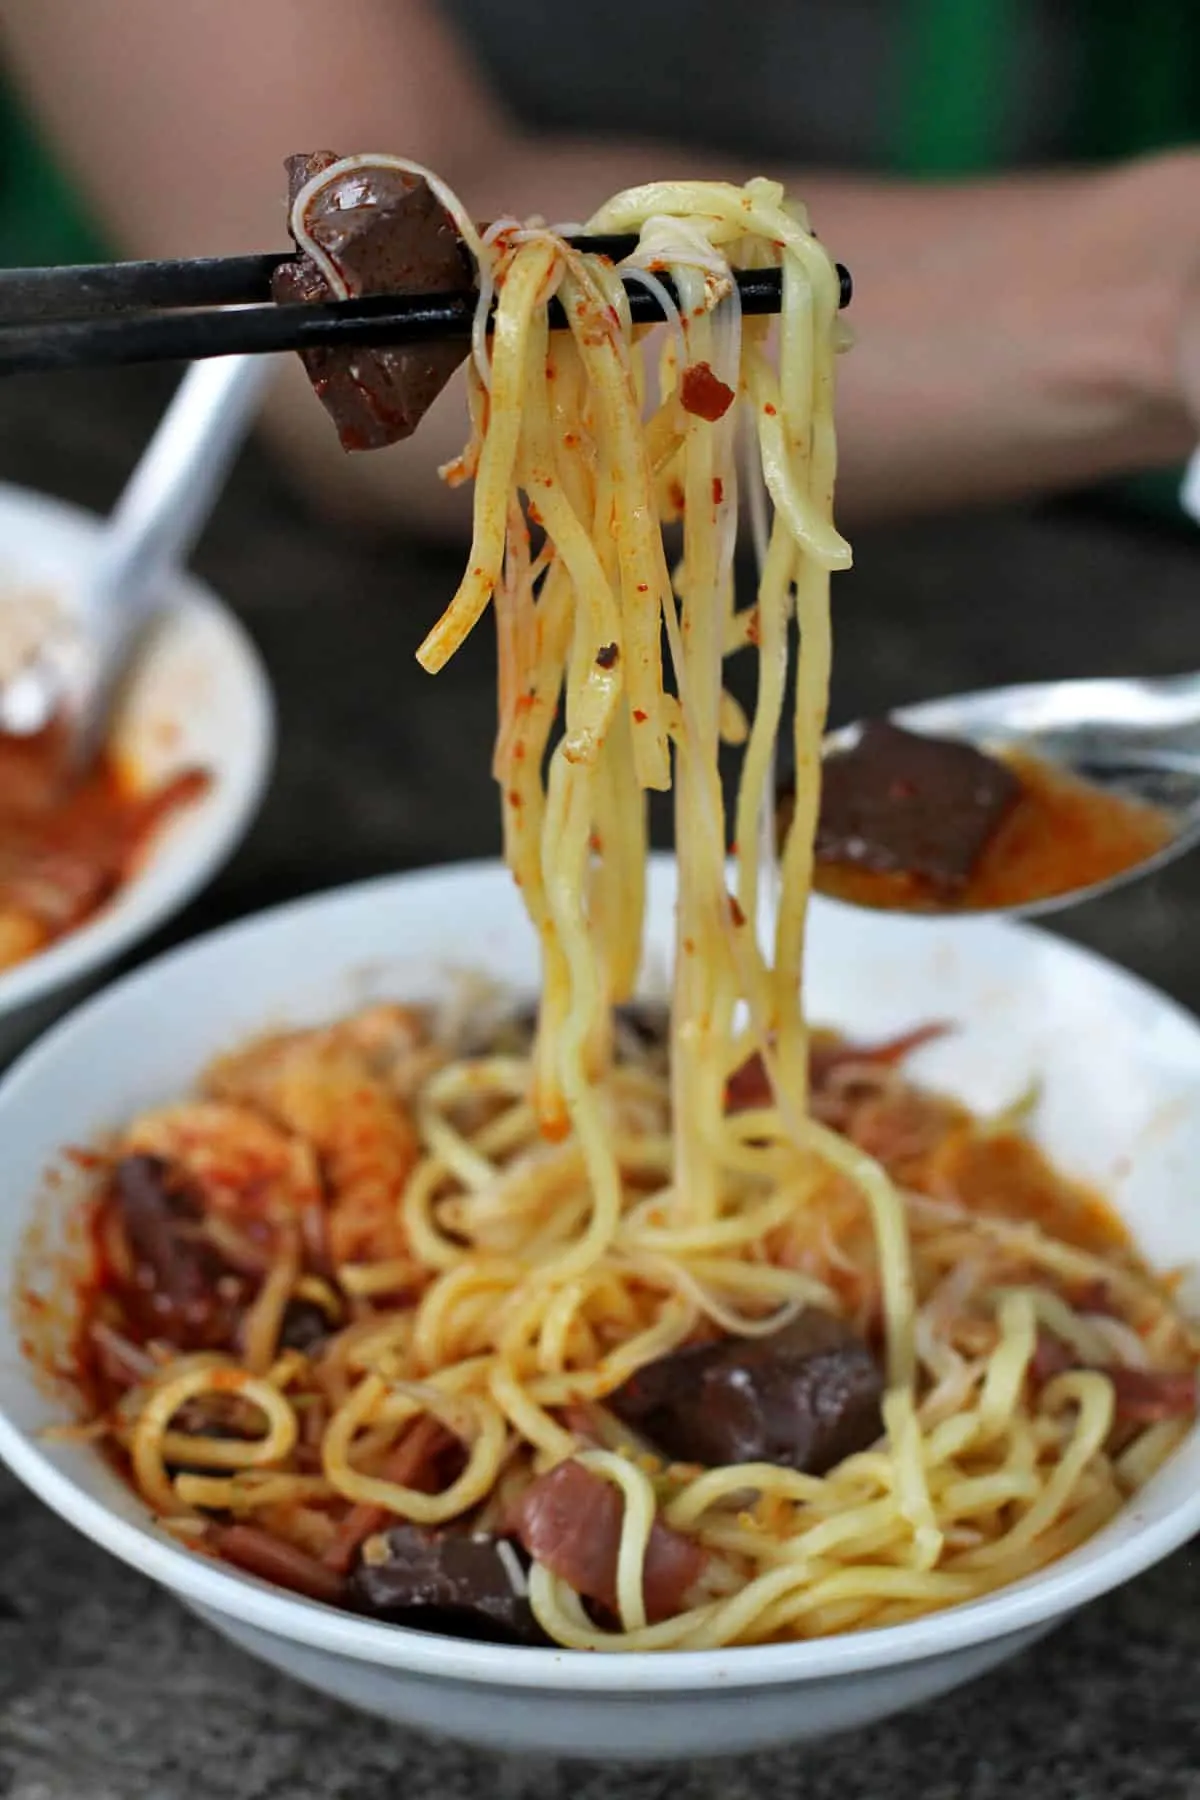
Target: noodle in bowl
1120	1074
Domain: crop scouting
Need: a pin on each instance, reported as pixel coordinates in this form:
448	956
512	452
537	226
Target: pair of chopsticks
105	313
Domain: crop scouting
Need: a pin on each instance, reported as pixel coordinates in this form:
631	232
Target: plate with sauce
89	867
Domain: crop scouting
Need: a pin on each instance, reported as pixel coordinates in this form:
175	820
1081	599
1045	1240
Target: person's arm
1014	336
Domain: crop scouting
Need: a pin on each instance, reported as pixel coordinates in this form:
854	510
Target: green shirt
41	220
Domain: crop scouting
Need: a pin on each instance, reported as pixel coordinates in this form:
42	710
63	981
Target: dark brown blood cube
456	1584
386	233
804	1398
183	1290
900	803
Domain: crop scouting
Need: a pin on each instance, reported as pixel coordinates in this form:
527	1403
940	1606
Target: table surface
108	1690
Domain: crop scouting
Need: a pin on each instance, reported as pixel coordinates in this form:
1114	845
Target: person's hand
1044	333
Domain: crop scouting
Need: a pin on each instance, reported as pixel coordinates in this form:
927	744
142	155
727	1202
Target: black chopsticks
89	290
106	313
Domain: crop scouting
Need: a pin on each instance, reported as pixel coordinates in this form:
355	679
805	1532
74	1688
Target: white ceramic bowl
1121	1107
197	698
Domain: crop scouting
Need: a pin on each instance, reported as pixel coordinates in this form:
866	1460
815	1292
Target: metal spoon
150	533
1139	737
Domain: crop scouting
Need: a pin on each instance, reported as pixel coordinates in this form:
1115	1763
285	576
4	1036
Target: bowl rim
1039	1599
207	843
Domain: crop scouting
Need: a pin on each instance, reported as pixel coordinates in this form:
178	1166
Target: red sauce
1061	833
1003	1175
66	846
703	393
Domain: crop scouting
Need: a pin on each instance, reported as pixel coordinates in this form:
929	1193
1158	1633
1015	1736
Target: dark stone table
108	1690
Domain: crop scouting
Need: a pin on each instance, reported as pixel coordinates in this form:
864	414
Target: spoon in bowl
150	532
1129	738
